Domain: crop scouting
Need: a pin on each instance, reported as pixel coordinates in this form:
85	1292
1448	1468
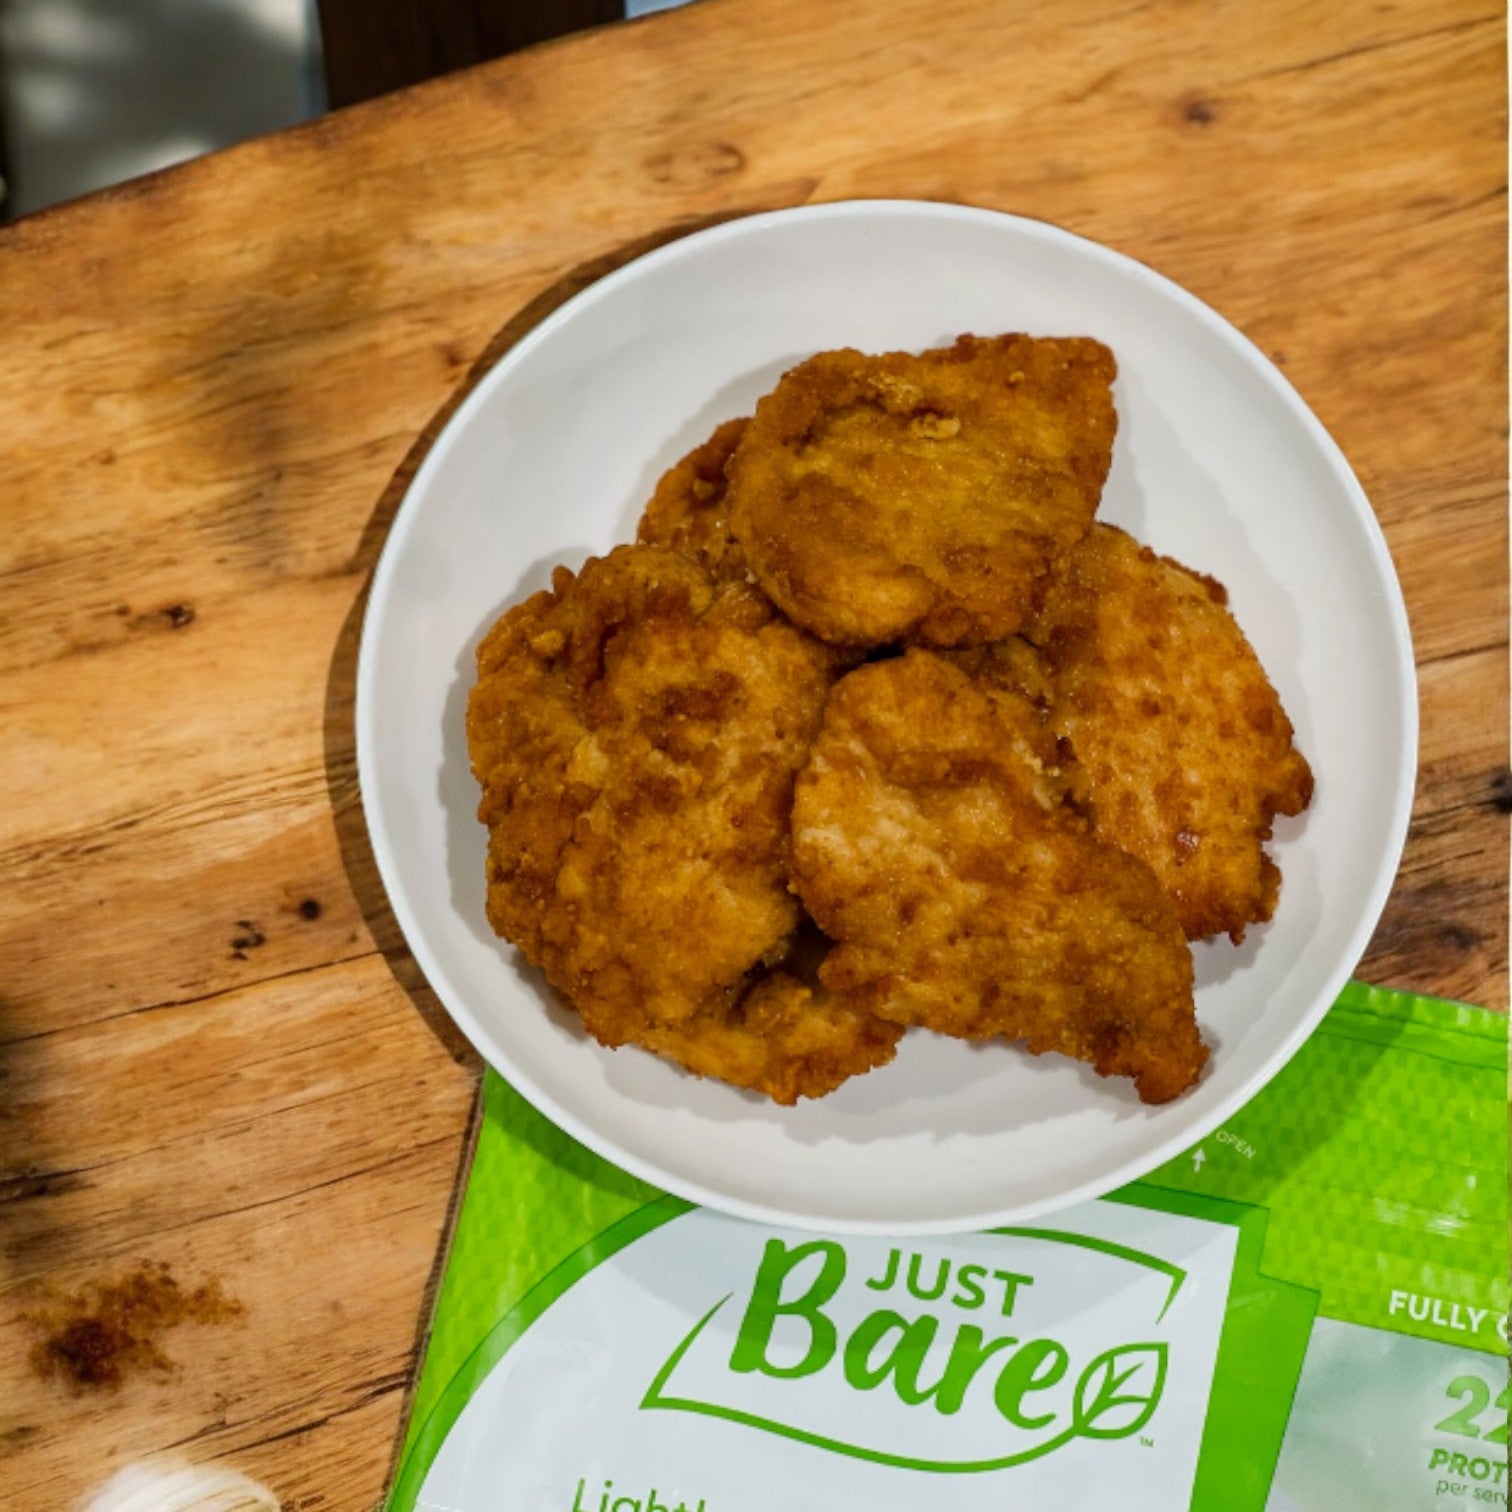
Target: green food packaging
1306	1312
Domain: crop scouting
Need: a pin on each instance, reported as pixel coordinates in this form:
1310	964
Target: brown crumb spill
94	1337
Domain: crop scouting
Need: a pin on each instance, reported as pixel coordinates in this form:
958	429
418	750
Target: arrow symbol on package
1197	1158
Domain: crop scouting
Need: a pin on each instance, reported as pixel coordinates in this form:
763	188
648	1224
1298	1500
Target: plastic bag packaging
1306	1312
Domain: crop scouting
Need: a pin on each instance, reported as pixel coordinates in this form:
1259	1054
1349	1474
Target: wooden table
214	385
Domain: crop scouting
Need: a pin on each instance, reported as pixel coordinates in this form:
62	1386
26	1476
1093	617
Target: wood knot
1501	792
169	617
1460	940
693	167
249	939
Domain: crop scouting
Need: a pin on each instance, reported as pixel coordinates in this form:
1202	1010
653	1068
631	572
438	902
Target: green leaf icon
1119	1391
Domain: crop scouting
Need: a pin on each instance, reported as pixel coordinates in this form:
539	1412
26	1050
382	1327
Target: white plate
1218	462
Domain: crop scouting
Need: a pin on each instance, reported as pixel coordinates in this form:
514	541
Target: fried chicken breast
778	1035
923	498
1181	753
636	732
688	512
931	843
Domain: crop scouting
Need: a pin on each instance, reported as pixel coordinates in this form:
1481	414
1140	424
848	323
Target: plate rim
1394	830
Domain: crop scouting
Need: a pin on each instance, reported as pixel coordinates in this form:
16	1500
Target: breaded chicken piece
1181	753
780	1036
930	842
1011	666
636	732
925	498
687	512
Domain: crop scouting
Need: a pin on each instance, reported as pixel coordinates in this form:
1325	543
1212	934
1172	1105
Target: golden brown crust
1011	833
1013	667
1182	753
923	498
931	844
782	1037
636	732
688	512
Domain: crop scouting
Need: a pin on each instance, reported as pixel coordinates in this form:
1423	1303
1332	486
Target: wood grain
214	1050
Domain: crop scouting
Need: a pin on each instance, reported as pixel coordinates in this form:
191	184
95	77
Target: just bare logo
871	1352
